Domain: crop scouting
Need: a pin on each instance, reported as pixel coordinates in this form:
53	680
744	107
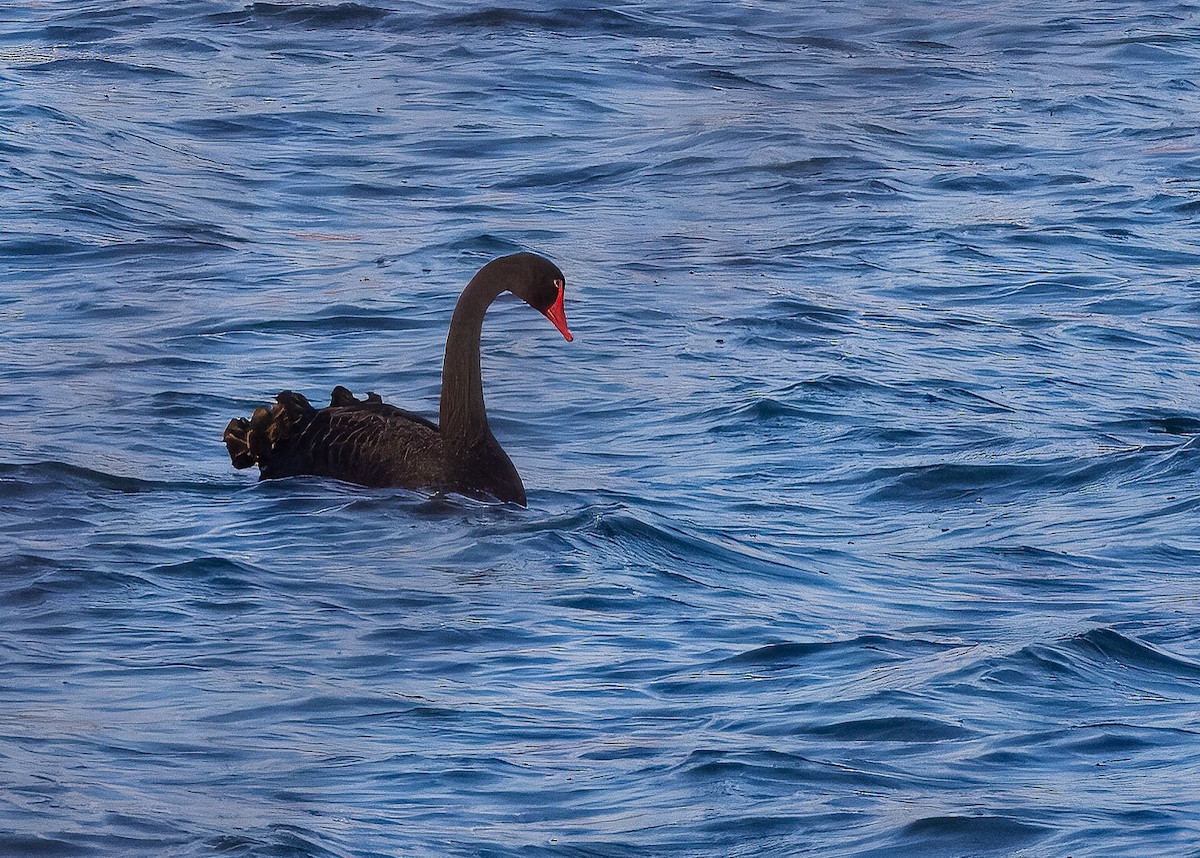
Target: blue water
863	509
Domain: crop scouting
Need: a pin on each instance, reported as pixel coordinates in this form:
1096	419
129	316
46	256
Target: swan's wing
367	442
375	445
343	398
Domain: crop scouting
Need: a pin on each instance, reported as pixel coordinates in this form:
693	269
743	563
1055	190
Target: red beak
556	314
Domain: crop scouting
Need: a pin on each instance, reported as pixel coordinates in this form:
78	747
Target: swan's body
375	444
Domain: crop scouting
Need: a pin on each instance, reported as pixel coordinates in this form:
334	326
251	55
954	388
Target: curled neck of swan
463	415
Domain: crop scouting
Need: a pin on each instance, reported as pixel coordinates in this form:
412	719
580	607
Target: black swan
375	444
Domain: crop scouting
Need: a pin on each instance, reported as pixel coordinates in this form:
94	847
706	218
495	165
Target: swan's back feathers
361	441
343	398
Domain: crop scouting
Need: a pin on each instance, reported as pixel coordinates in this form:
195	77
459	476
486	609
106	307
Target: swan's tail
258	441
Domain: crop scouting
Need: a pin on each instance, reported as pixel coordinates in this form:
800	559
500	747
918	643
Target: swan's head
538	282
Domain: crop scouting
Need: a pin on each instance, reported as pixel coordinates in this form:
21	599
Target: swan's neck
463	415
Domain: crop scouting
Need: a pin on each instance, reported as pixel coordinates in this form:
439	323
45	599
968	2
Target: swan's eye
559	285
